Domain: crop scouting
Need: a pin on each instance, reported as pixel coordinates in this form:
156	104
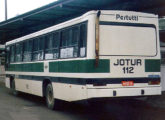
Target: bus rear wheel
52	103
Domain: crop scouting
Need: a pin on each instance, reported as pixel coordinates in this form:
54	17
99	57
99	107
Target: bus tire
51	102
13	90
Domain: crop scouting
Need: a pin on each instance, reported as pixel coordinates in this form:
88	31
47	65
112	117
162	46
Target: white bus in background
101	54
162	48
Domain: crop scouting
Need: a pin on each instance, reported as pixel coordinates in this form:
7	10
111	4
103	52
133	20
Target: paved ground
28	107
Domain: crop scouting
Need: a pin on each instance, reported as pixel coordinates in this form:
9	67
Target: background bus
101	54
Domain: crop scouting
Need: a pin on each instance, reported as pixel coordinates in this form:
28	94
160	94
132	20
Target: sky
17	7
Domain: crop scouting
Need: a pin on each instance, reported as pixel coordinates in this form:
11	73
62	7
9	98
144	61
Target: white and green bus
101	54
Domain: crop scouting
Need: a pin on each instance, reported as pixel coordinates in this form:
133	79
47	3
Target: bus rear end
130	42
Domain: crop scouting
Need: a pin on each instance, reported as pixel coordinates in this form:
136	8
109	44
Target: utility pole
5	9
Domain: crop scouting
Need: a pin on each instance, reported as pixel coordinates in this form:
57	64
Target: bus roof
61	25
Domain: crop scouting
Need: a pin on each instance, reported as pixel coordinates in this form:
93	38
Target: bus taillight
154	82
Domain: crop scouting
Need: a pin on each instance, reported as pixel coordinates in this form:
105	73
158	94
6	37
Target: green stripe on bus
152	65
26	67
80	66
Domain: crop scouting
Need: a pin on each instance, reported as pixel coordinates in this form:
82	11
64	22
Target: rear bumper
123	92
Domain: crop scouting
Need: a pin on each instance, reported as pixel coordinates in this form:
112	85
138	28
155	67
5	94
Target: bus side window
49	46
35	49
69	42
18	52
52	46
83	39
30	49
162	57
65	37
12	53
74	42
41	48
27	50
7	55
38	48
56	43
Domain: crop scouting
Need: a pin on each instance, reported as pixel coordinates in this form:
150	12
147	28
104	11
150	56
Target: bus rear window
127	40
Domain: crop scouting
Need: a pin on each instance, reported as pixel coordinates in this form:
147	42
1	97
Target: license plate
127	83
